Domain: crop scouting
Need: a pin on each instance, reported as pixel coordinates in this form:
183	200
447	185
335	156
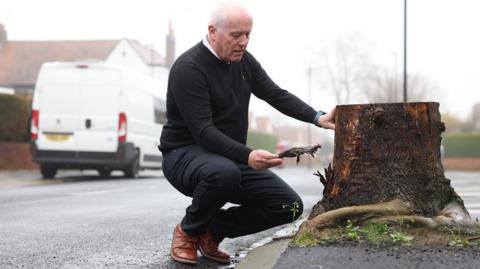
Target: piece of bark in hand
297	151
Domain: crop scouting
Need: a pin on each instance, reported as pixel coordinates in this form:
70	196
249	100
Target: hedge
462	145
14	118
264	141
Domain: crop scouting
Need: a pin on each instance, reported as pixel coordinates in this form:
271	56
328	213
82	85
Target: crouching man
203	141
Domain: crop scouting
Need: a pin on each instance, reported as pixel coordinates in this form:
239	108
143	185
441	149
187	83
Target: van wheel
48	170
104	172
132	169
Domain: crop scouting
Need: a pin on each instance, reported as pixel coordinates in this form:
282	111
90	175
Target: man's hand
327	121
262	159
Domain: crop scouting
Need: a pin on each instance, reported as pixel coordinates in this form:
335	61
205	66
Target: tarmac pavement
372	257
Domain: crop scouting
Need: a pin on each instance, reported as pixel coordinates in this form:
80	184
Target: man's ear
212	31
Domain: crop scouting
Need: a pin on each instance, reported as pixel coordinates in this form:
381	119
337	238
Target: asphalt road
82	221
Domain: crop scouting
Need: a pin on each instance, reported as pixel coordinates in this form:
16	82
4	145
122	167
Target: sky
443	40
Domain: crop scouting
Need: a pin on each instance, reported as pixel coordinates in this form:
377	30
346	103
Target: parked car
95	115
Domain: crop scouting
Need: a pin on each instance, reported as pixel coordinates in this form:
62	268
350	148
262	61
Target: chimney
170	54
3	35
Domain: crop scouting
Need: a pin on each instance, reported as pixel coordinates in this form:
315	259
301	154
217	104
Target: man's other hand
262	159
327	121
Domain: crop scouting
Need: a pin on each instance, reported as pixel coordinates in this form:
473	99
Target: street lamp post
309	135
405	99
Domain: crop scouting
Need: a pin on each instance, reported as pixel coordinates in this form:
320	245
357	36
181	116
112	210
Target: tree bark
385	152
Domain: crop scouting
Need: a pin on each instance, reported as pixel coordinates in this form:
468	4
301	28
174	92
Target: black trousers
263	200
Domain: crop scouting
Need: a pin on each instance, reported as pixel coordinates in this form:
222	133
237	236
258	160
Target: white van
95	115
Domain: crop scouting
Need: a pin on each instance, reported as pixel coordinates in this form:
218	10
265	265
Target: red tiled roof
148	55
20	61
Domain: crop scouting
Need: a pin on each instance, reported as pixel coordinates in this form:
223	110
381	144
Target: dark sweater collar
211	56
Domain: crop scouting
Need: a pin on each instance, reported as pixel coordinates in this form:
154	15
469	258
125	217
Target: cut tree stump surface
384	152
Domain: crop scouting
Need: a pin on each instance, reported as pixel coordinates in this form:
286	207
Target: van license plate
57	137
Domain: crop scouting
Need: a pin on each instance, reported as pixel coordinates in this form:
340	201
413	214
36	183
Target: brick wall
16	156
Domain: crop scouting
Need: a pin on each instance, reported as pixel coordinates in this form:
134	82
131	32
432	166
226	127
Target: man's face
230	41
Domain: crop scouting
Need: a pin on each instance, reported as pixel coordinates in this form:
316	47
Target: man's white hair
219	17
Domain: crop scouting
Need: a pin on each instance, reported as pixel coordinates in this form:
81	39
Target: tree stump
387	162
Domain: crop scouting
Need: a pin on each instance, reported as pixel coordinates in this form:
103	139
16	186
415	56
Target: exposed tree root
360	213
455	210
453	217
431	223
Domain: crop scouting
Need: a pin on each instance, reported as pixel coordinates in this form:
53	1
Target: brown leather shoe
184	247
209	248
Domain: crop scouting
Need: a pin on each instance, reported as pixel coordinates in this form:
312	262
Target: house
20	61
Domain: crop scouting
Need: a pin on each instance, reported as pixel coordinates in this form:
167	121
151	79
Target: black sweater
207	102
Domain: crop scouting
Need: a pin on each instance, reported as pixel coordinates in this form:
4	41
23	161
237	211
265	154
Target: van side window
160	110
